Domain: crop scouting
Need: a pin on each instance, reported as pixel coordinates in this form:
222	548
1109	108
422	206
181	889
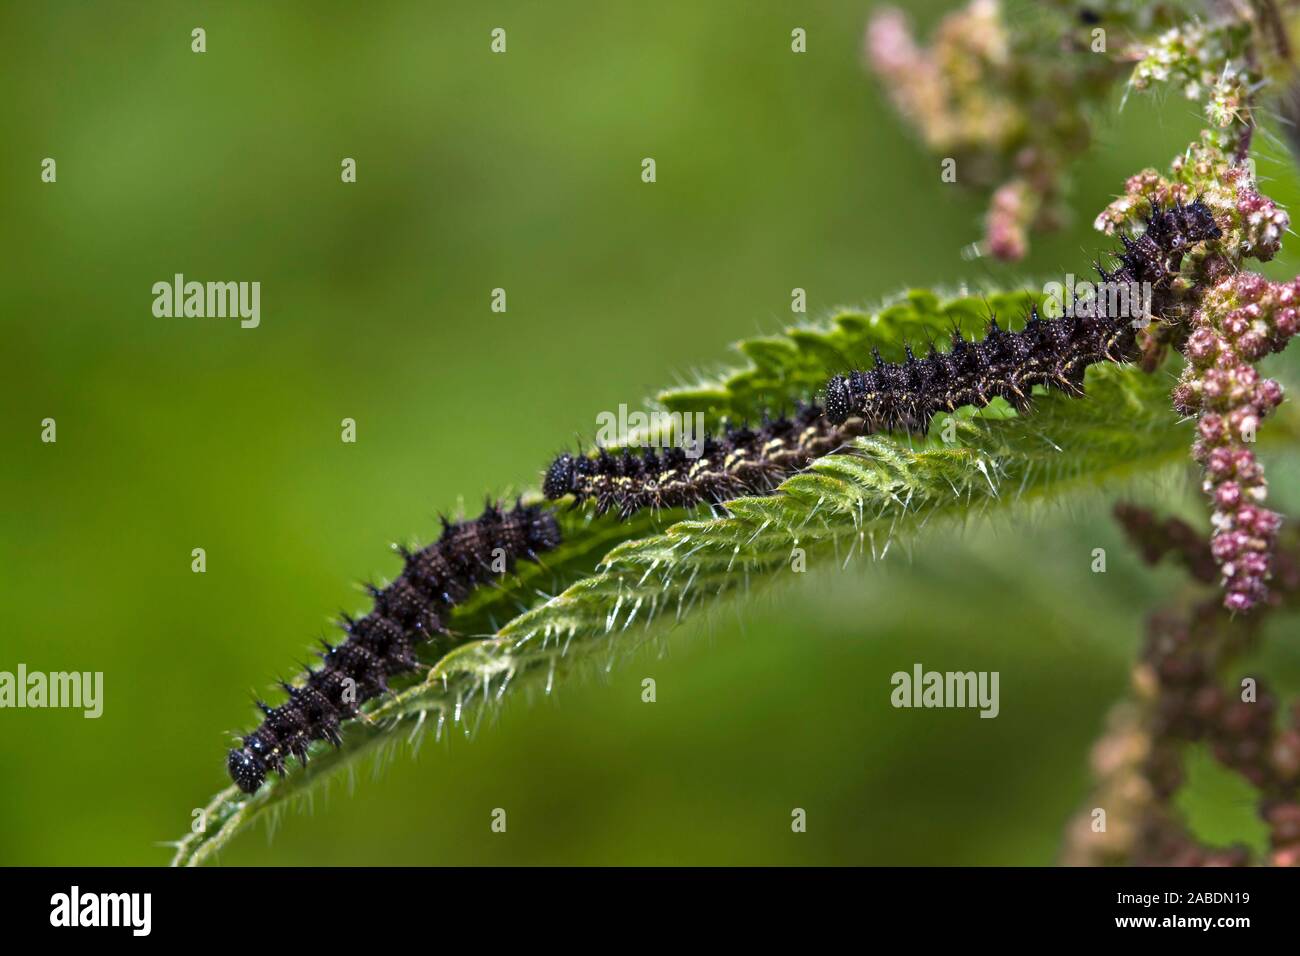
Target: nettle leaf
607	588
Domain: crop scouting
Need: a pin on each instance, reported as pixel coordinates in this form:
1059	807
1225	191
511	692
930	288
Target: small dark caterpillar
740	461
1053	352
898	396
406	613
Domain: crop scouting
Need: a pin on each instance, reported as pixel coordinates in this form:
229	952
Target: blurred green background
519	171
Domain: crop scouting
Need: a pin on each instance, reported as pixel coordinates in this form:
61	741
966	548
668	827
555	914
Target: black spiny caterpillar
902	396
1053	352
406	613
740	461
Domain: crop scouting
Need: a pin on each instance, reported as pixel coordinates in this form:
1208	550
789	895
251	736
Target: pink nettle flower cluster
1240	320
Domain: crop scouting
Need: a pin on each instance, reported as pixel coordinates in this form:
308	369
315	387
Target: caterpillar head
246	769
560	477
839	403
1178	226
1198	222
